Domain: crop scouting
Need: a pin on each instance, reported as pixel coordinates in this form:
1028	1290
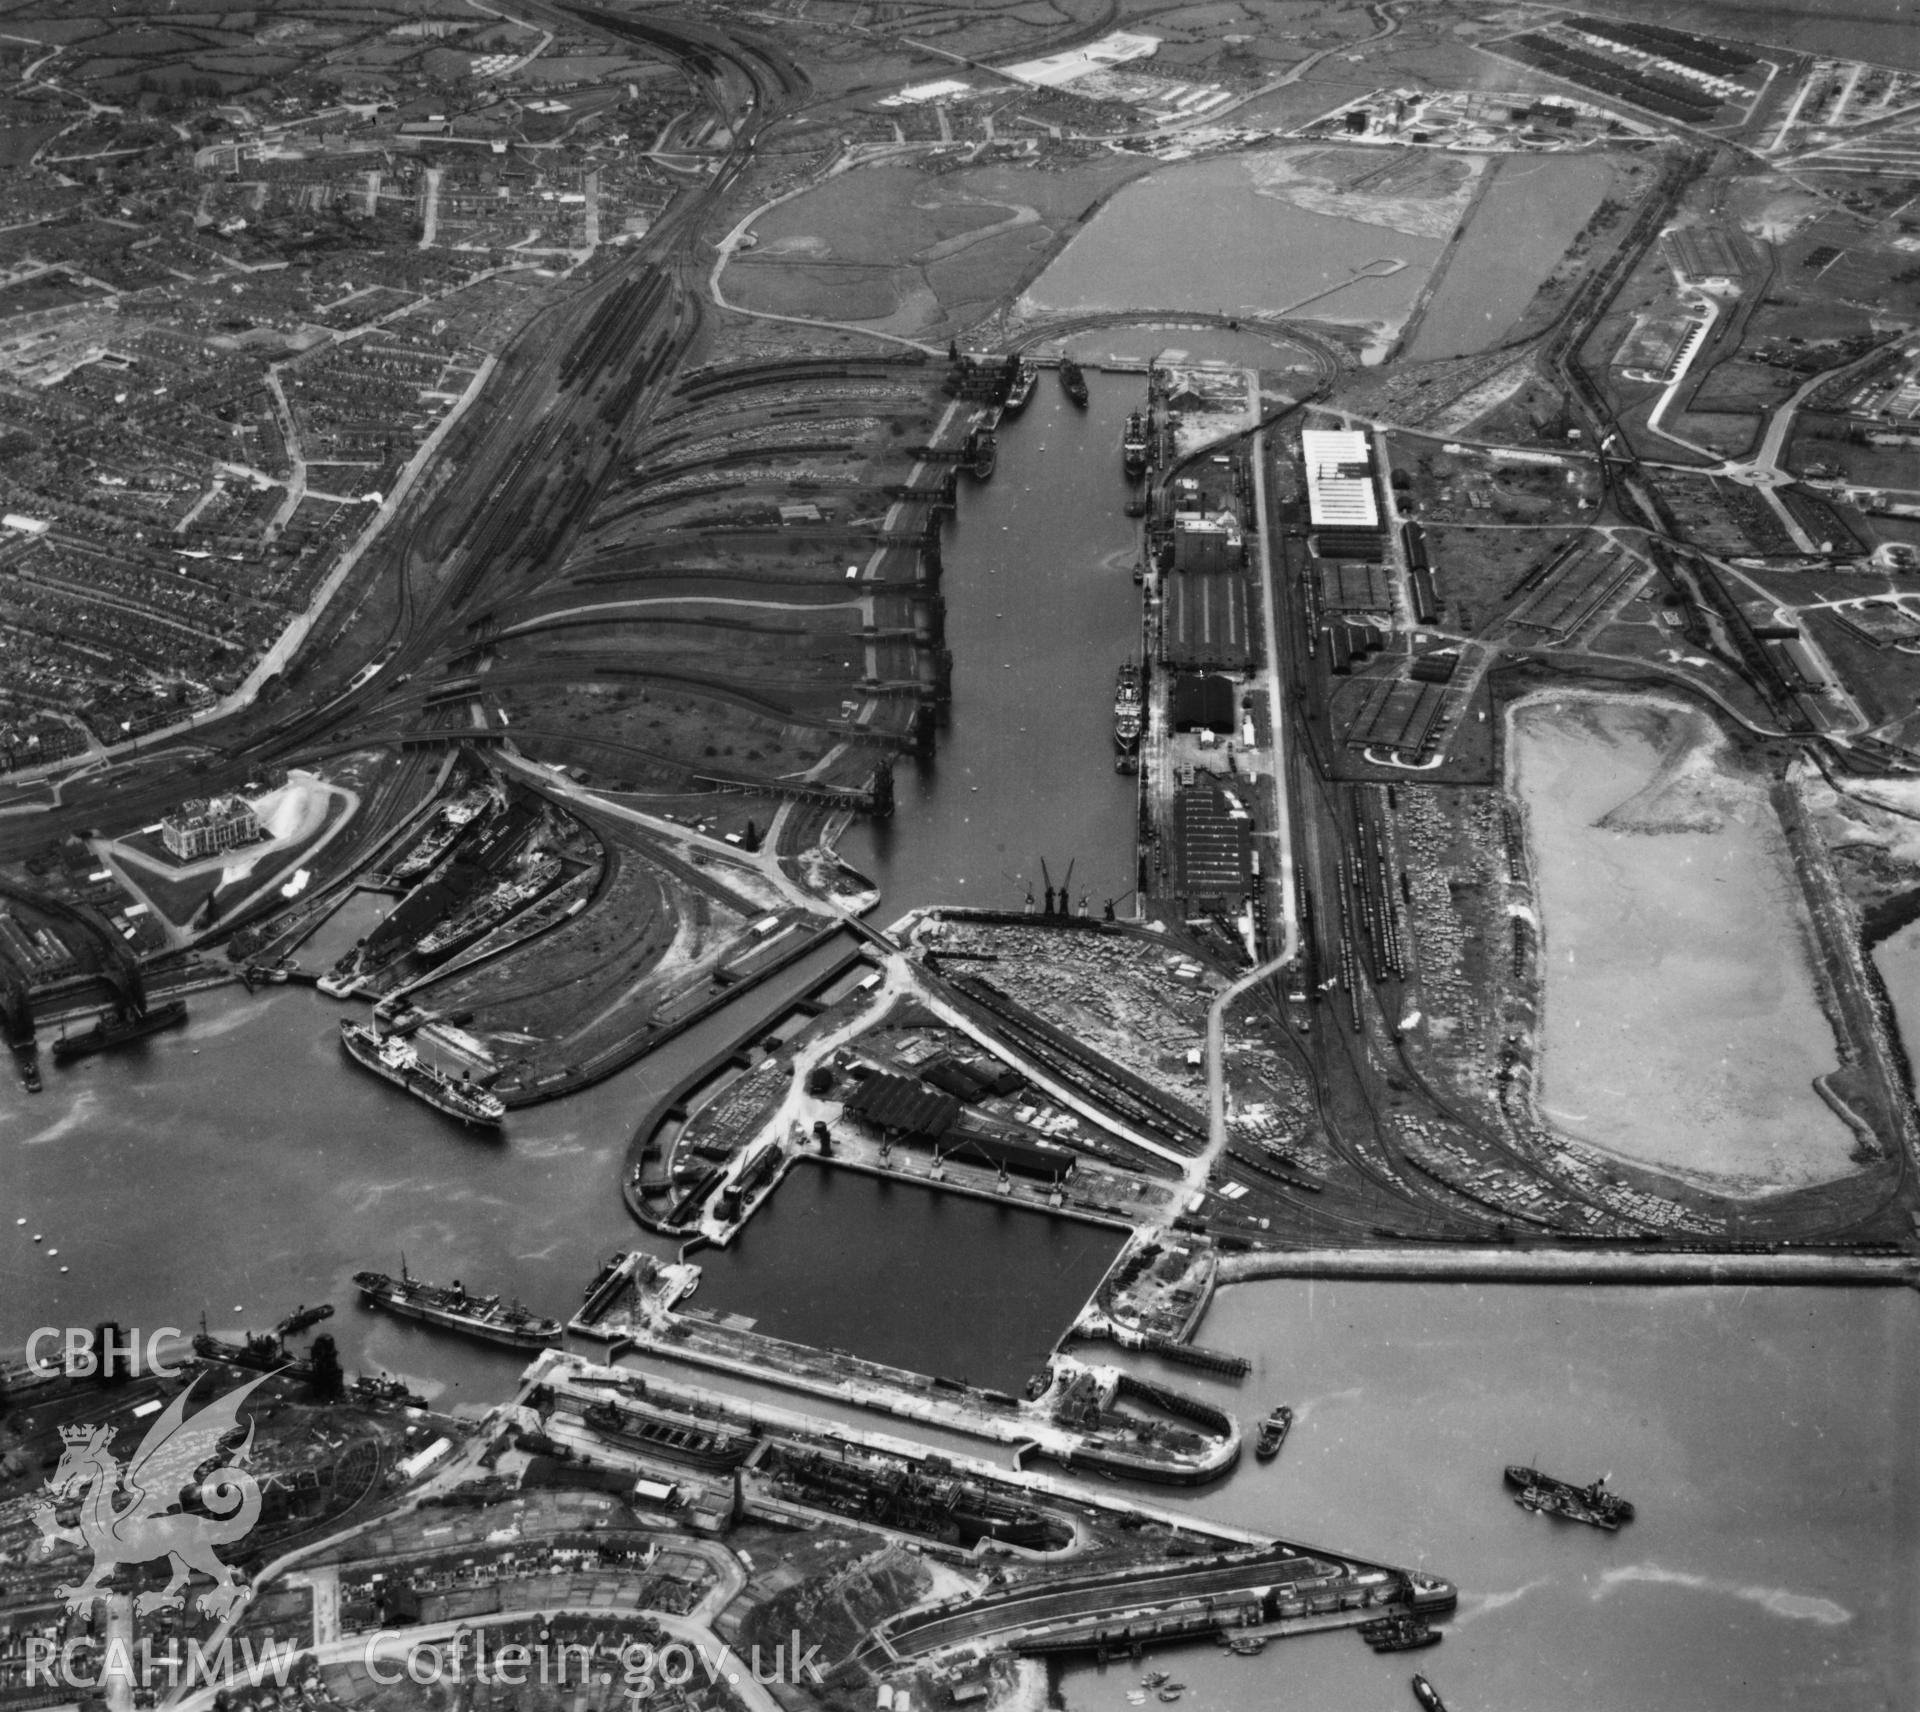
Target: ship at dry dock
925	1497
677	1440
491	909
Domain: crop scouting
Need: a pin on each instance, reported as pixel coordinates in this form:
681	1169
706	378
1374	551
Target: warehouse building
1343	500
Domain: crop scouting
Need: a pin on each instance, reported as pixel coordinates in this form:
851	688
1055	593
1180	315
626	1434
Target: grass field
923	252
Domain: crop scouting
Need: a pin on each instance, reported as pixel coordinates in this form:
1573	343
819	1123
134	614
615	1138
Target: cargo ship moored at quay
401	1064
453	1307
1129	707
983	453
1072	382
1019	386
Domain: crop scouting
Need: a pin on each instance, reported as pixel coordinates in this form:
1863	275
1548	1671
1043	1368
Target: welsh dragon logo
153	1522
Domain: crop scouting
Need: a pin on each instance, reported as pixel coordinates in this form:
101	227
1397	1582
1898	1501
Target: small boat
1427	1695
1273	1433
1072	382
1171	1692
302	1318
1154	1678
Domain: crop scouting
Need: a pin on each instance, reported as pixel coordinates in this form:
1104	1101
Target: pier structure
1276	1589
1582	1264
1085	1571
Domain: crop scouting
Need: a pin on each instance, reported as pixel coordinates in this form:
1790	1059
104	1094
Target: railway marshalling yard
1529	772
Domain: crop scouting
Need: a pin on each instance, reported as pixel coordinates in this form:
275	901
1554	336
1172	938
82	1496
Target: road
390	1652
1282	835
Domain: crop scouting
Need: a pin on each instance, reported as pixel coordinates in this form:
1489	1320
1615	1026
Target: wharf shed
1023	1156
1202	543
1213	846
903	1107
1206	621
1343	502
1203	703
1350	585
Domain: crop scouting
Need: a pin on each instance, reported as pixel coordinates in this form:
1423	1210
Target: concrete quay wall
1572	1266
1085	1211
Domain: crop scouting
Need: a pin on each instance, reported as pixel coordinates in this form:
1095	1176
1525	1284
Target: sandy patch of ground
1317	181
1682	1023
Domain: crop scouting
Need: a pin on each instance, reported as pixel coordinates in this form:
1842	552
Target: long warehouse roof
1339	479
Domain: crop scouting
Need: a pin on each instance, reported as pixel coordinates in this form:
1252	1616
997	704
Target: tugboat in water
379	1388
303	1319
1399	1633
1544	1495
1273	1433
1133	445
1073	383
1129	718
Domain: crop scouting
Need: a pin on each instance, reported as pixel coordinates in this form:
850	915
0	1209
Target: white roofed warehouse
1343	503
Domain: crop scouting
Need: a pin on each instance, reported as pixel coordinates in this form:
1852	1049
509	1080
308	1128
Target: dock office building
207	825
